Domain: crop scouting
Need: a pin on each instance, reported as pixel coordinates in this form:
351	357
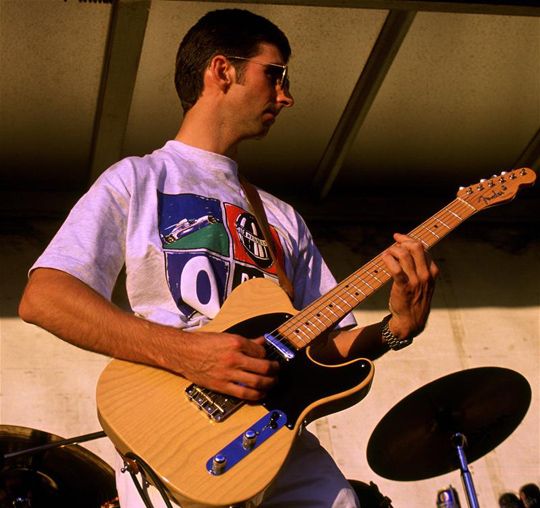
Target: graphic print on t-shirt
249	245
187	221
210	248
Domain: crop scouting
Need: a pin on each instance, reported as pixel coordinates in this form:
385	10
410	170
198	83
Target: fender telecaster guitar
208	449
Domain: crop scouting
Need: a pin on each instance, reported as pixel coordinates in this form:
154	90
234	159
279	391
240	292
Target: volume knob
249	439
218	464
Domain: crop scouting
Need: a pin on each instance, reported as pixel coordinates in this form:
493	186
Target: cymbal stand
460	442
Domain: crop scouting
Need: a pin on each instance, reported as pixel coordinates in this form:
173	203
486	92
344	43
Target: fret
318	329
367	284
358	290
343	300
468	204
297	332
375	277
443	223
434	234
425	244
330	310
454	214
319	315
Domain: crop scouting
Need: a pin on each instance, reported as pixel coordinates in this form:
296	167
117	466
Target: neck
204	128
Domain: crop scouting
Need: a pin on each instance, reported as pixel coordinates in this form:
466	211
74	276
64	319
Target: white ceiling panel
51	59
462	99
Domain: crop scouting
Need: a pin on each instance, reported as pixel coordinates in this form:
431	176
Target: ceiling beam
499	7
382	55
530	157
121	62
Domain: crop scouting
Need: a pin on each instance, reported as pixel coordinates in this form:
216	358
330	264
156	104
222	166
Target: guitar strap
254	200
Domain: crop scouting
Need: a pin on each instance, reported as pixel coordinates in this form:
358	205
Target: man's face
258	96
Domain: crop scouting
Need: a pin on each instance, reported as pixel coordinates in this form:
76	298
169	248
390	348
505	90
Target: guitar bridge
216	406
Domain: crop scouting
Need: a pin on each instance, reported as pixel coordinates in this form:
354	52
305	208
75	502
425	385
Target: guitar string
375	266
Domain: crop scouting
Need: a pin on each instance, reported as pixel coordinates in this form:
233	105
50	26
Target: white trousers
309	479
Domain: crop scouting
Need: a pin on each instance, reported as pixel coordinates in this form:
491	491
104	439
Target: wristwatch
392	340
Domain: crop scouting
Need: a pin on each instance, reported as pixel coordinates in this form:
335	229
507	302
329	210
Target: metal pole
459	441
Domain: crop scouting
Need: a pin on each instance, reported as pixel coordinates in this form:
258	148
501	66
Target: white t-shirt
180	222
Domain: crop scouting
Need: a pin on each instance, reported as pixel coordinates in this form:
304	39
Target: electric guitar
208	449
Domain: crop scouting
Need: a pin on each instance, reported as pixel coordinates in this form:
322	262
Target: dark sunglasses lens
275	74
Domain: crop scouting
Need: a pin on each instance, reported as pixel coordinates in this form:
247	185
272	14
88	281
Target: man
180	222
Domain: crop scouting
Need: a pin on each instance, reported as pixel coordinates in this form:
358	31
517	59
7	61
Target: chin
261	133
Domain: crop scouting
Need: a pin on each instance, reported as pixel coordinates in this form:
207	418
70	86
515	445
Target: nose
284	97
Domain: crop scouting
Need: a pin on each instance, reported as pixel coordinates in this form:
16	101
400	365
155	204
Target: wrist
394	339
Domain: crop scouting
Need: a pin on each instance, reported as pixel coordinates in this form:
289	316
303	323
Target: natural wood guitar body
144	410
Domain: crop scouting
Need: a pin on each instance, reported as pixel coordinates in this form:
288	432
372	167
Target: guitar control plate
241	447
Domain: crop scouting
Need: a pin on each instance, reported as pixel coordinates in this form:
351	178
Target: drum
58	477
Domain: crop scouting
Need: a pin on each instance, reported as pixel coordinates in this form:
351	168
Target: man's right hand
227	363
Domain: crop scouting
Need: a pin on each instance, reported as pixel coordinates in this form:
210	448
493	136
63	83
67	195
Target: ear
221	73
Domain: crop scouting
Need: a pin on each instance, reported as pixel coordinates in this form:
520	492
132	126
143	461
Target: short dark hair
223	32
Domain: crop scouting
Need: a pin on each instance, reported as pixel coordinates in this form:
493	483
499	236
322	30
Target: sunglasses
278	73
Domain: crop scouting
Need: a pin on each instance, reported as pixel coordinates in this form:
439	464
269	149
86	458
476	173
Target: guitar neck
328	310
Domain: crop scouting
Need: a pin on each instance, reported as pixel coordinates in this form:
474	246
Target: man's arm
414	273
74	312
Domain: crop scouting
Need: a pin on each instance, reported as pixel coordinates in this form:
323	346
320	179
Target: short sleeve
90	244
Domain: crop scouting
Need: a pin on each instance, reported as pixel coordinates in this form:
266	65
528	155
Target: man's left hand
414	274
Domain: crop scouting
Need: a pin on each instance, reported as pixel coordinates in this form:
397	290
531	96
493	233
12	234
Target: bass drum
62	477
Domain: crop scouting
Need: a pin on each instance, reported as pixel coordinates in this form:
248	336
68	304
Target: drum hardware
134	465
40	470
448	498
425	435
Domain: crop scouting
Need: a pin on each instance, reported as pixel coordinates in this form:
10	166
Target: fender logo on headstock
487	199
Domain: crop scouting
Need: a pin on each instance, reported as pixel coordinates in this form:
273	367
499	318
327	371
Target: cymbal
60	477
413	441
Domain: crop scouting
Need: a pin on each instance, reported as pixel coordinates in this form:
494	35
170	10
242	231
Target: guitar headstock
497	189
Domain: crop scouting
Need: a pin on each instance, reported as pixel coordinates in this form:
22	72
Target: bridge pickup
216	406
245	443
